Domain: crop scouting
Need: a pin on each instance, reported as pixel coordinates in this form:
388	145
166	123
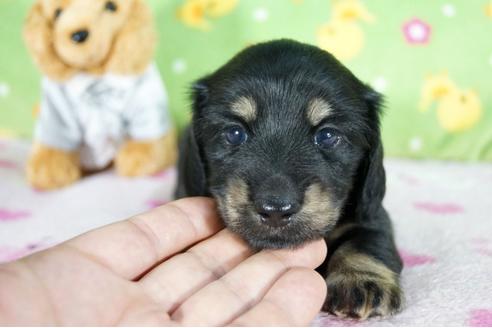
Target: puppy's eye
235	135
57	13
327	138
110	6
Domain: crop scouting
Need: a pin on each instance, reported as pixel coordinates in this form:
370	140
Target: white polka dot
179	66
415	144
380	84
448	10
260	14
417	32
4	89
490	60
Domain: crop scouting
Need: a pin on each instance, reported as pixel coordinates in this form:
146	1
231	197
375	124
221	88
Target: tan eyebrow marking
317	110
245	107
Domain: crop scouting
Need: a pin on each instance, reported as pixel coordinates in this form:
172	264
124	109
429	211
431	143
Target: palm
110	276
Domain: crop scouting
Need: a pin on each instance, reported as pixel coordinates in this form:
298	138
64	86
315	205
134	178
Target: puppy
287	141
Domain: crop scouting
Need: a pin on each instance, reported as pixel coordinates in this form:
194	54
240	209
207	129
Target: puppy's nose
276	214
79	36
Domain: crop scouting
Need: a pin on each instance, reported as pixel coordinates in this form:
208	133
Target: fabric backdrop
432	60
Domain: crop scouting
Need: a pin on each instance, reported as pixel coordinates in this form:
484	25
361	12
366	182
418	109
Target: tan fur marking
350	269
318	208
236	197
353	261
317	110
246	108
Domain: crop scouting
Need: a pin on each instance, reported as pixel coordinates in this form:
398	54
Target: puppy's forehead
291	105
258	99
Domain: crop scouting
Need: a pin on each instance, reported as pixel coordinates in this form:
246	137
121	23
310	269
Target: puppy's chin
261	236
259	242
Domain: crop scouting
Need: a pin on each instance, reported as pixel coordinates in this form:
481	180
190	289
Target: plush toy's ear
192	180
370	184
134	45
38	37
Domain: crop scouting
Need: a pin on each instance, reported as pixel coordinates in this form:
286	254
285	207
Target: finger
170	283
133	246
145	316
294	300
224	299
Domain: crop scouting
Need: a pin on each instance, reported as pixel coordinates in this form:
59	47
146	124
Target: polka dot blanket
441	213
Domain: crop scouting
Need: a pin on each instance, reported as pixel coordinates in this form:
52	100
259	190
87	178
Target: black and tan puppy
287	141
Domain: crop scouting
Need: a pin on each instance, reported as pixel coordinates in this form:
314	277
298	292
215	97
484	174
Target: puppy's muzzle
275	202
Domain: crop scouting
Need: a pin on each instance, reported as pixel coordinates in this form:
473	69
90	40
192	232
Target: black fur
280	160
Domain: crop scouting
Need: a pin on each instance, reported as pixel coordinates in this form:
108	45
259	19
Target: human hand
175	265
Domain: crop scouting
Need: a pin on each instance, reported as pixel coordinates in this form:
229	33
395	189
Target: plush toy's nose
80	36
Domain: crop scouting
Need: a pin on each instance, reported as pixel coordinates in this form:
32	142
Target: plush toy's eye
57	13
327	138
235	135
110	6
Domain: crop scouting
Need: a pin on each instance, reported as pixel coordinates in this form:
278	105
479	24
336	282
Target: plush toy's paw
366	289
137	158
50	168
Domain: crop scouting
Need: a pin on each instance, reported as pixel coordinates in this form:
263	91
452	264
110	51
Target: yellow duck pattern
488	9
342	35
457	110
197	13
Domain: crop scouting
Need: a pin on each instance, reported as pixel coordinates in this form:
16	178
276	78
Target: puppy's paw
361	287
50	168
138	158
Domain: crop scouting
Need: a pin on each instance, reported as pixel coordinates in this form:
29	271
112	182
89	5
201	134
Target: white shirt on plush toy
97	113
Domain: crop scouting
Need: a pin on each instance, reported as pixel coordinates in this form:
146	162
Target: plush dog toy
102	96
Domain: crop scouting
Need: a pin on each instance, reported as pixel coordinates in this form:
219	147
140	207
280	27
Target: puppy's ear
38	36
372	181
373	100
370	184
134	45
191	165
191	170
200	95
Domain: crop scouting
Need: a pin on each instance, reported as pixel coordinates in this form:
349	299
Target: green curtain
432	59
